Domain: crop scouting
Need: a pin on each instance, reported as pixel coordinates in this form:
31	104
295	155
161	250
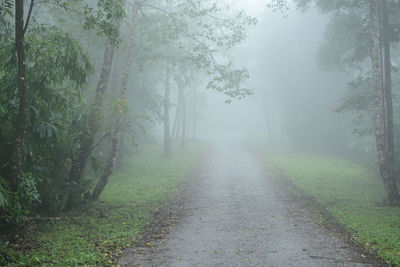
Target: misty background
294	100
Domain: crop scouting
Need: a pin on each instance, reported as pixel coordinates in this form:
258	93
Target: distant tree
166	107
195	33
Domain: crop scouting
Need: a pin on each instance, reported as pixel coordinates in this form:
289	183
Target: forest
199	133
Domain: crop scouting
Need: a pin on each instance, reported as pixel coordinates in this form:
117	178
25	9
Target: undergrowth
96	234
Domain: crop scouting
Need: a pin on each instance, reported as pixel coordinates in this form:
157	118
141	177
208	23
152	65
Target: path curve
238	216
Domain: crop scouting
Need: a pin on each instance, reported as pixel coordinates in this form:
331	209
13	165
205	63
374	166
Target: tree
15	171
56	68
114	15
166	107
356	34
195	33
41	120
120	109
383	111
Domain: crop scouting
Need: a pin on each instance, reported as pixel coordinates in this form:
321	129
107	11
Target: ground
237	215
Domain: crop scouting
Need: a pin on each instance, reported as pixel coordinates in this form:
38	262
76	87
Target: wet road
238	216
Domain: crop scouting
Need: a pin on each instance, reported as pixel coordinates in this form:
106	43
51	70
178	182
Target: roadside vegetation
80	81
351	193
97	233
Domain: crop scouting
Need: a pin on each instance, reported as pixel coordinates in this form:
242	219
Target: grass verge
97	234
353	195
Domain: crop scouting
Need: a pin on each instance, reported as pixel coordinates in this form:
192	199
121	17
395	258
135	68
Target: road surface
238	216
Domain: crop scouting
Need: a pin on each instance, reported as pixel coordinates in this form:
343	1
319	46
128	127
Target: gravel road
238	216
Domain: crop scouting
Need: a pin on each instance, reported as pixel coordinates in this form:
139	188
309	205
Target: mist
199	133
294	101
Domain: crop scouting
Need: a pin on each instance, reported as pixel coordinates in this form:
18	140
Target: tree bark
386	167
116	133
388	81
167	139
15	168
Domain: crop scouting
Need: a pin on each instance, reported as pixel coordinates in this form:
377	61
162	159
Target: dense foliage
61	124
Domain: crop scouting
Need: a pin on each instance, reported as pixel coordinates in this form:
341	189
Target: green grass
96	235
353	194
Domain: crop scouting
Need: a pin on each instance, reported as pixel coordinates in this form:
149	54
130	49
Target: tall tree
195	33
167	134
177	118
360	31
88	136
383	118
183	110
120	108
388	81
15	169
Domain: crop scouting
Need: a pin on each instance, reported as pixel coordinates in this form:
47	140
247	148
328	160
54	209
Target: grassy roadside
349	192
95	235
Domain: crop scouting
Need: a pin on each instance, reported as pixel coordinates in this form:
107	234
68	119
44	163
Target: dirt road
238	216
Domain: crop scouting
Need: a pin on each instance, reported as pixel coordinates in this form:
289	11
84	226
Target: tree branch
28	18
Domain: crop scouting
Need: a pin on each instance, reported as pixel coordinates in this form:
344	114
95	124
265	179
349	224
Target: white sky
253	7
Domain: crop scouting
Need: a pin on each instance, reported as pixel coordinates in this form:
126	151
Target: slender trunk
183	102
385	165
178	126
167	139
269	124
388	99
194	129
388	81
194	126
103	180
88	137
121	152
15	168
116	132
176	118
188	128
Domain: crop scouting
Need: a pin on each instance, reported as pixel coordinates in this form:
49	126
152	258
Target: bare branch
29	15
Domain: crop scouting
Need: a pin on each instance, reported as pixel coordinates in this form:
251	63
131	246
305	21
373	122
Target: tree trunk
386	167
268	117
15	168
116	132
194	126
183	103
178	126
388	81
103	180
167	139
87	138
176	118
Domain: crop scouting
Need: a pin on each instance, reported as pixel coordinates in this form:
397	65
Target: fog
294	100
199	133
